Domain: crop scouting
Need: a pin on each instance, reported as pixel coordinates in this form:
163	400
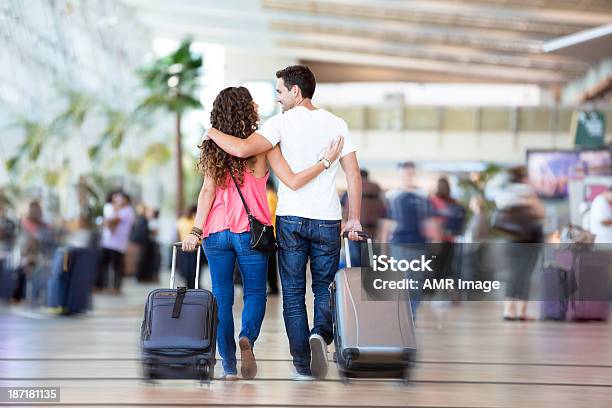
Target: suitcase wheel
407	376
148	373
205	372
148	366
343	377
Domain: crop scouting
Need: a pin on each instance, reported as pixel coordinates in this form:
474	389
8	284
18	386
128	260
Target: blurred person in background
450	213
80	231
186	262
8	232
408	223
372	204
474	238
520	214
450	216
35	244
272	264
139	257
478	228
8	235
372	211
601	217
155	250
117	224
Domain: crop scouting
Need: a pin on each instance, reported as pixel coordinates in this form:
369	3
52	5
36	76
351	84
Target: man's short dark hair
364	174
301	76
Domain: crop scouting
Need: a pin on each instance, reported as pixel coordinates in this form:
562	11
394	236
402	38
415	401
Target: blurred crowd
421	211
414	219
124	238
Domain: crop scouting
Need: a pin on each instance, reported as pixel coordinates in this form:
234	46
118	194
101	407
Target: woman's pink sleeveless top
227	211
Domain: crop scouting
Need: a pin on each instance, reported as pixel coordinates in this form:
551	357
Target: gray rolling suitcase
373	339
589	301
179	331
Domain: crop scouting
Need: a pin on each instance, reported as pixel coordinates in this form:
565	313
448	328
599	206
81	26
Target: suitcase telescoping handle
347	252
175	246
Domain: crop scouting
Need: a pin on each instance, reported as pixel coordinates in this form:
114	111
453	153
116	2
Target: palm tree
38	134
172	82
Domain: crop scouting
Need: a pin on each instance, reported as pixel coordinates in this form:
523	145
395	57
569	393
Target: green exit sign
589	128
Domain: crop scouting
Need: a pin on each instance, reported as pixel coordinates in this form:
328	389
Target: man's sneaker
248	368
302	377
318	359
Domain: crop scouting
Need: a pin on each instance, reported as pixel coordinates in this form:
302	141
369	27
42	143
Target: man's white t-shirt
601	211
304	135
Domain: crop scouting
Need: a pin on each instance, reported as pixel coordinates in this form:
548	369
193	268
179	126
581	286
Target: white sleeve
108	211
598	208
348	147
271	129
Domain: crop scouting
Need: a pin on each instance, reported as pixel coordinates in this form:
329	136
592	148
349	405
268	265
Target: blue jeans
302	239
222	249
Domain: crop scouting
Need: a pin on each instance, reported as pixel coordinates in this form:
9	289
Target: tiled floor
467	357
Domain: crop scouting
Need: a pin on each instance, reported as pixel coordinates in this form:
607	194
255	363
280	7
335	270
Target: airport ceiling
395	40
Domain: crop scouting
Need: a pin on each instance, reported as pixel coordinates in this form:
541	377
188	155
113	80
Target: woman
520	214
450	217
221	219
36	243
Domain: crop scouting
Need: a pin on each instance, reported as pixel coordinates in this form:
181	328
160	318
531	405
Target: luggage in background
373	339
7	280
583	291
557	286
179	331
590	301
73	271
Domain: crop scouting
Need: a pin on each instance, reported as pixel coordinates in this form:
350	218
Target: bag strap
246	207
178	303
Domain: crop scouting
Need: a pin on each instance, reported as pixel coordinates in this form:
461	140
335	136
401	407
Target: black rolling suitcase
7	280
179	331
373	339
70	286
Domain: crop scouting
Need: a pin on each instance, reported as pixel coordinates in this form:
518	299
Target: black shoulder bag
262	235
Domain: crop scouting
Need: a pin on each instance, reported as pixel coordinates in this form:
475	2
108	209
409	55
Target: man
372	211
601	217
308	219
409	224
372	204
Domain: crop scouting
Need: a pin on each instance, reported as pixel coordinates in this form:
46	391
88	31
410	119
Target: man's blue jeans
222	249
300	240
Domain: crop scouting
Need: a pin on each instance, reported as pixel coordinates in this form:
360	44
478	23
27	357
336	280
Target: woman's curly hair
233	113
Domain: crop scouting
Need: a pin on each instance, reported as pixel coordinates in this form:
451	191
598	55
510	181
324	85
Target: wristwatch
326	163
